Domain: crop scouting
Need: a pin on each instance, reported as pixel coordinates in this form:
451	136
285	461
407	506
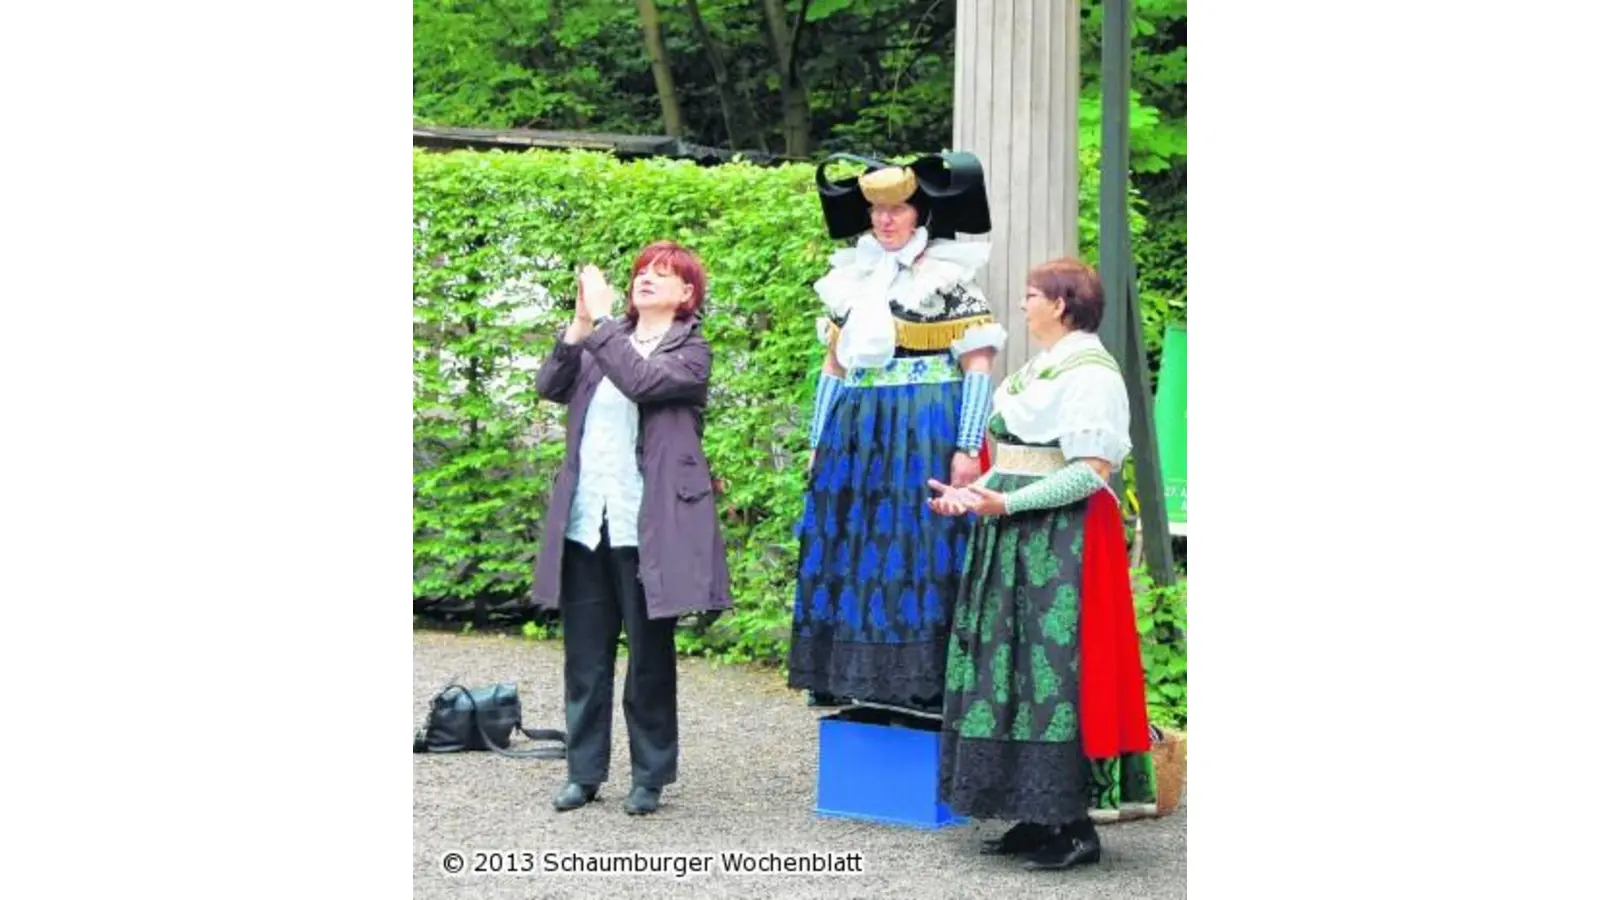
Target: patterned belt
904	370
1018	459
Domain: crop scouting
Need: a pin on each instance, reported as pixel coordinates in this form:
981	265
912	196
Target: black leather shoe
575	795
1024	837
642	801
1073	845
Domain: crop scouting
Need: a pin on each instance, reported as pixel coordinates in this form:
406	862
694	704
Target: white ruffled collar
941	264
866	281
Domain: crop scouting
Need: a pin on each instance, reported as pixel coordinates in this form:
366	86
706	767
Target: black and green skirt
1010	746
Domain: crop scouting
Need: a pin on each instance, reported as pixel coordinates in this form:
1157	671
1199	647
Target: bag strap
537	734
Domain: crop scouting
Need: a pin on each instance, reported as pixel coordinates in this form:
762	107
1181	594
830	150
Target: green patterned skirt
1010	746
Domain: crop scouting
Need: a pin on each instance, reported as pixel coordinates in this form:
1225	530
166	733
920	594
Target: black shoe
575	795
642	801
1072	845
826	701
1024	837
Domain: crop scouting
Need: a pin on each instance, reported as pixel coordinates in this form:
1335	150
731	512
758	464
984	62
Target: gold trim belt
926	335
1016	459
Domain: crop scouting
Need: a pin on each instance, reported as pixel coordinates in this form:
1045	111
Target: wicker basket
1168	754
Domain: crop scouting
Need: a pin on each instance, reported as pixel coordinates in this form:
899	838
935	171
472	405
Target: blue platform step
882	766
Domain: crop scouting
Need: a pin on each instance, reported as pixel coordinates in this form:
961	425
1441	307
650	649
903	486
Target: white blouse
1072	395
610	485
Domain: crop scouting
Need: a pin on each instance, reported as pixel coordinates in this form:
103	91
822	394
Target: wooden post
1114	109
1017	108
1122	328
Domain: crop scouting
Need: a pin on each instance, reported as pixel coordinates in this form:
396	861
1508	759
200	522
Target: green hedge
497	238
1162	617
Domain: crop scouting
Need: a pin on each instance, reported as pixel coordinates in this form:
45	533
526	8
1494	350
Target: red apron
1111	701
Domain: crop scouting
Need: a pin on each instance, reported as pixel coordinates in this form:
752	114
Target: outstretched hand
952	501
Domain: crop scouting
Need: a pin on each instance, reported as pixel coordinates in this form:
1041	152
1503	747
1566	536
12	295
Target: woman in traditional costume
902	398
1045	715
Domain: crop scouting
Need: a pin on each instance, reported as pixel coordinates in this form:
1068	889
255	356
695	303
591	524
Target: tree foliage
793	77
877	75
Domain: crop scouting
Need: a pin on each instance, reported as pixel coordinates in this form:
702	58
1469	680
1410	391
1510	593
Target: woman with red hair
1044	715
630	539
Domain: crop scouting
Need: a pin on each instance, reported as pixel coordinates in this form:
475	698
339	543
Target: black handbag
462	719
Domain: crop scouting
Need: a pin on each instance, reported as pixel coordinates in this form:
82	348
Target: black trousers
600	596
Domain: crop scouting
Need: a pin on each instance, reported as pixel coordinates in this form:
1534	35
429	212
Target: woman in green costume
1044	716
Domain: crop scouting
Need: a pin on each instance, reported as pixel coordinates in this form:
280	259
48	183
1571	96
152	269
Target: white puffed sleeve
1093	410
991	335
837	290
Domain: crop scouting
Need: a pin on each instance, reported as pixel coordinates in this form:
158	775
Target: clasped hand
596	298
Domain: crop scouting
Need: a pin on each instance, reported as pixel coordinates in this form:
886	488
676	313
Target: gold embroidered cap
889	187
946	188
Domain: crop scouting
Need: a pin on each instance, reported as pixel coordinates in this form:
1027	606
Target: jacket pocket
693	479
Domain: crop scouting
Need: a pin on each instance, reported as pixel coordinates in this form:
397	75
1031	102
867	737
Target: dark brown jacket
683	565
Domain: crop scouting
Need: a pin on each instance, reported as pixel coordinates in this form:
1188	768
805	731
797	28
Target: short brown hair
1077	284
680	261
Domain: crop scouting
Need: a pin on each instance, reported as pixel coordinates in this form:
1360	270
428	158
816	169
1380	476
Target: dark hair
678	260
1078	285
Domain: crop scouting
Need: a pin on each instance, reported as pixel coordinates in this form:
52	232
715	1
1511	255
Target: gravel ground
746	783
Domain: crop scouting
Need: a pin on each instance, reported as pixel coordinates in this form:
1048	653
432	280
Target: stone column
1016	97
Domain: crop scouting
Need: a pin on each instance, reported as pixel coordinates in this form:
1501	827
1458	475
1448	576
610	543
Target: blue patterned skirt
878	569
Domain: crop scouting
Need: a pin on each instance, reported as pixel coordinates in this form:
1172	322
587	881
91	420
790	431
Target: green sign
1172	425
